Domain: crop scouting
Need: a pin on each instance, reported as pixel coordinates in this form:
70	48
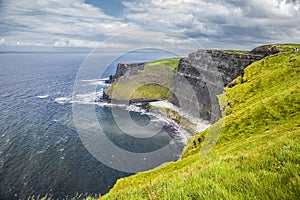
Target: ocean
41	151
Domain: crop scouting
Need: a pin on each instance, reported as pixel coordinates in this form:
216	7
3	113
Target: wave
180	135
134	108
97	82
40	152
62	100
42	96
91	80
88	98
201	124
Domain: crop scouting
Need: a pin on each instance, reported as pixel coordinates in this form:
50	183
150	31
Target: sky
229	24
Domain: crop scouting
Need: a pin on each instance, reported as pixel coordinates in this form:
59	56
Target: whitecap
134	108
88	98
40	152
42	96
62	100
98	82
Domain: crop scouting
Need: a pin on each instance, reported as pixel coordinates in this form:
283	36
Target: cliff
142	82
123	68
194	87
208	72
256	155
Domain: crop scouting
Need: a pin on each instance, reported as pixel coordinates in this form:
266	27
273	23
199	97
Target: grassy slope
257	155
159	71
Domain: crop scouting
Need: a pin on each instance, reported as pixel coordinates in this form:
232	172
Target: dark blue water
40	150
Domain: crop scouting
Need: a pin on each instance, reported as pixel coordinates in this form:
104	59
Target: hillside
257	153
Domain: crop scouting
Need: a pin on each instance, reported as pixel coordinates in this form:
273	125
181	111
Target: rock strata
208	72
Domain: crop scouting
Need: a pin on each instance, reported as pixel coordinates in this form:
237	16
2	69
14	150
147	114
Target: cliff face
123	68
208	72
201	77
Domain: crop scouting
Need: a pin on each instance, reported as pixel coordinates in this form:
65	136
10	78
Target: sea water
40	149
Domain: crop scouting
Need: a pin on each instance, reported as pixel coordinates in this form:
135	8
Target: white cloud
54	21
214	23
227	21
2	41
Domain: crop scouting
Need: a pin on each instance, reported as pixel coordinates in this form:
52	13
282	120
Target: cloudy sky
212	23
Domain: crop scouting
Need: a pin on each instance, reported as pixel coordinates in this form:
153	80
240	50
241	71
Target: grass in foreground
257	155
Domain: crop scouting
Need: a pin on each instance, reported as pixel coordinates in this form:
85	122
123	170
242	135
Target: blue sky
110	7
241	24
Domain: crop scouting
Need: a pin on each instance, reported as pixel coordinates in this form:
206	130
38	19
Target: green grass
257	155
172	62
154	82
234	51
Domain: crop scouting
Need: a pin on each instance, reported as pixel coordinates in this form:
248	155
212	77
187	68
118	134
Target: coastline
256	153
191	124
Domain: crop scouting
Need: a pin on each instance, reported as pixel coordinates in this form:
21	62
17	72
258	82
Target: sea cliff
206	72
256	155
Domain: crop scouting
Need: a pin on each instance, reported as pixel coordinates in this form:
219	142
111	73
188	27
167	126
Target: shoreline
163	109
176	114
